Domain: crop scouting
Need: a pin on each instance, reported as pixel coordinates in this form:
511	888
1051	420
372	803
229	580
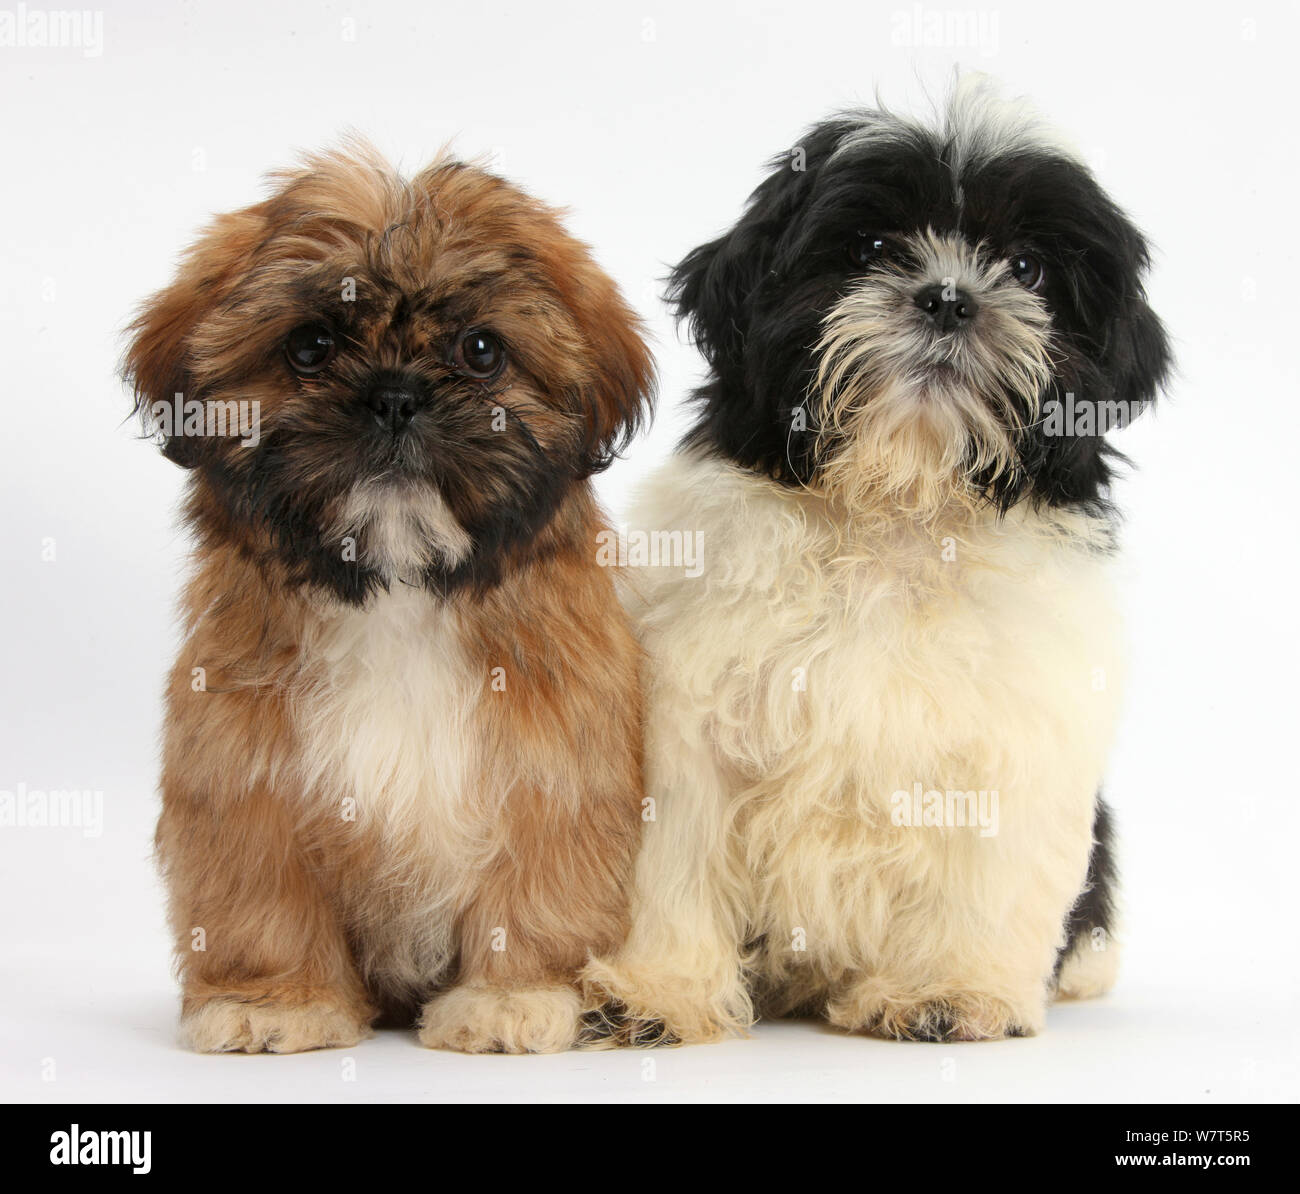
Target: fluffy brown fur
402	761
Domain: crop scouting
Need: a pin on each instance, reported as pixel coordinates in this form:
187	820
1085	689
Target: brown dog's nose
393	406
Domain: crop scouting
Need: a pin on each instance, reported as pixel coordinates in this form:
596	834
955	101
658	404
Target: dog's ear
734	294
710	289
1137	358
716	288
618	394
1131	367
159	364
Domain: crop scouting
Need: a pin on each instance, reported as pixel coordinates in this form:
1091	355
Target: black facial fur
755	299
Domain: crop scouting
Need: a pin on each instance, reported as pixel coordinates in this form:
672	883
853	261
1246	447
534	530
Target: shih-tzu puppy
402	756
879	707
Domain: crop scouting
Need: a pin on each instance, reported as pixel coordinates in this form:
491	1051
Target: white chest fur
909	641
385	710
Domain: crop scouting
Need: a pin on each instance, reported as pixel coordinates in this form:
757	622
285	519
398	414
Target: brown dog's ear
158	362
620	395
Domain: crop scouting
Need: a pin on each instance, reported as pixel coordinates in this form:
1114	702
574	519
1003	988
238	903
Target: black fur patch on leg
611	1024
1095	907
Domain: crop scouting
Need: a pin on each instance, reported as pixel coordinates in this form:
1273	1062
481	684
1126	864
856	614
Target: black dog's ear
710	290
1137	358
718	286
1131	367
733	294
715	286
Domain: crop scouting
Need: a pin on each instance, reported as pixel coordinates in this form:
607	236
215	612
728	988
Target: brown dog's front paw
230	1024
473	1019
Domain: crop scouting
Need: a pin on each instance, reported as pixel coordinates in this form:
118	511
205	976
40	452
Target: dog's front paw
949	1016
474	1019
612	1025
638	1008
230	1024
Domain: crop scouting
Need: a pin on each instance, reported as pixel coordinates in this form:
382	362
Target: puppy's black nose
948	308
393	406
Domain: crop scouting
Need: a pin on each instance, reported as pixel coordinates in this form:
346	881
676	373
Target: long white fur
806	676
385	707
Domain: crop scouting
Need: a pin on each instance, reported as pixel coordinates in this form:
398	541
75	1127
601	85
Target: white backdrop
650	122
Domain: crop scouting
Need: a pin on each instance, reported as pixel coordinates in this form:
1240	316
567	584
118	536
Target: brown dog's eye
481	355
309	347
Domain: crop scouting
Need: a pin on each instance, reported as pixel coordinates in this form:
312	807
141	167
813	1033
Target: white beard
399	530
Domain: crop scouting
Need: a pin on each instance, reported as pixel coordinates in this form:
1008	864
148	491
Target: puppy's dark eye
309	347
481	355
1027	270
865	247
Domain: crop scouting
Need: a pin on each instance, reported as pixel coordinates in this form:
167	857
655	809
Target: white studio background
650	122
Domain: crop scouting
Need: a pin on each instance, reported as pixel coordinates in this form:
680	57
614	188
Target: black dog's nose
393	406
949	308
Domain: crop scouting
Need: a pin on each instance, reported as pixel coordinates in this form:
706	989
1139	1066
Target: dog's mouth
937	377
397	460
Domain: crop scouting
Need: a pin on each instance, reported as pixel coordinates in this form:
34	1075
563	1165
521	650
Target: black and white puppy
881	701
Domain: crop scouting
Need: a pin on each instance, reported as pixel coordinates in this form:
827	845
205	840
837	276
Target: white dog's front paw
476	1019
645	1006
956	1014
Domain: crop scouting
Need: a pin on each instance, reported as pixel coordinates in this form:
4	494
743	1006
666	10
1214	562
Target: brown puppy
402	761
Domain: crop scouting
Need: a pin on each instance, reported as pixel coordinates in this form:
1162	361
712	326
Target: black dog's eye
865	247
309	347
1027	270
481	355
